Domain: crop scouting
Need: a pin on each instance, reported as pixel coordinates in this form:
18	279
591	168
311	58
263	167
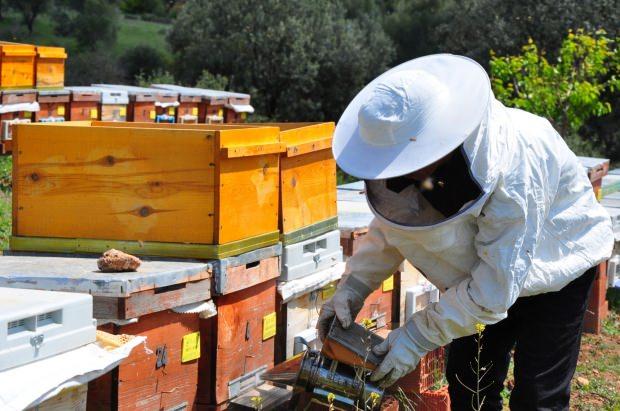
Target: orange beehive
19	106
152	379
238	343
237	108
166	191
17	62
54	105
84	104
50	67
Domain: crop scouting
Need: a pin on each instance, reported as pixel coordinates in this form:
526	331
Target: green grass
131	33
5	220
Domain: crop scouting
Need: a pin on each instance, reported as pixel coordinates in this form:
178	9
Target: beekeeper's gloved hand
402	351
345	305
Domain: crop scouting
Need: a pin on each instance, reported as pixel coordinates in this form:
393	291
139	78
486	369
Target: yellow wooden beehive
50	67
165	191
16	65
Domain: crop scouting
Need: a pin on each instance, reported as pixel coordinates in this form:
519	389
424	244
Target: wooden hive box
307	181
237	107
166	106
239	344
50	67
84	104
212	109
17	62
19	106
156	302
113	105
166	191
141	107
381	308
189	108
54	105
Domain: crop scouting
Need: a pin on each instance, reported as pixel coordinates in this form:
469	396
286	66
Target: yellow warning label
191	347
269	326
152	114
94	113
61	110
388	284
328	292
244	116
123	111
220	113
171	111
194	111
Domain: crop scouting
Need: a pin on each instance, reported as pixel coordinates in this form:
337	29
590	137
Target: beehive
237	107
17	62
141	107
154	379
190	102
238	343
165	191
378	310
53	105
84	103
18	107
50	67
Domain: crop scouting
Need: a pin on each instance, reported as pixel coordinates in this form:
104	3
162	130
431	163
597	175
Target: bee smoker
331	382
338	376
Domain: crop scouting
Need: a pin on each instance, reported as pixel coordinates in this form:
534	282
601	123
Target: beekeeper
493	208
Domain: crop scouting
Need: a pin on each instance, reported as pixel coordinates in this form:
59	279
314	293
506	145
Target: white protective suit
535	227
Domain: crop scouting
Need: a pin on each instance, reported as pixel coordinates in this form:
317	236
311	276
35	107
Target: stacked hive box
53	105
148	104
50	67
17	65
84	103
237	107
212	109
597	308
17	106
198	205
193	105
312	256
611	202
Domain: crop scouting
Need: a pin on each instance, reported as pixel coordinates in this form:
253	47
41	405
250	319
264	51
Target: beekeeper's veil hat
411	116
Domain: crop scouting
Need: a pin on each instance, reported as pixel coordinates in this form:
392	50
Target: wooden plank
308	189
253	150
233	339
152	249
17	65
244	276
247	203
163	298
130	184
309	147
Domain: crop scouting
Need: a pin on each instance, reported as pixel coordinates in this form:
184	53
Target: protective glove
402	353
345	305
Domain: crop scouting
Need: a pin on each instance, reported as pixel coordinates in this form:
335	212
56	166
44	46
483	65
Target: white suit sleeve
374	261
509	228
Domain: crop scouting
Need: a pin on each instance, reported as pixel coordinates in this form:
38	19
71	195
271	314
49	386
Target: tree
93	23
474	27
569	91
156	77
30	10
142	59
210	81
300	60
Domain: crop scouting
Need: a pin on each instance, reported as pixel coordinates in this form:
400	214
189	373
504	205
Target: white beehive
613	271
37	324
418	297
309	256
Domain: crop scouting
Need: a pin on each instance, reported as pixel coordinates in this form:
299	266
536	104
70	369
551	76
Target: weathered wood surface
138	384
226	269
69	399
151	301
80	274
233	342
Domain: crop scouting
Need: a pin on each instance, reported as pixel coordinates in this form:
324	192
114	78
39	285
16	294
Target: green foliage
6	169
98	66
300	60
29	9
568	91
157	77
156	7
5	220
142	60
212	81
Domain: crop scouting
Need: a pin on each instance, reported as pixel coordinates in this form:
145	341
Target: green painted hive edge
46	88
310	231
153	249
9	88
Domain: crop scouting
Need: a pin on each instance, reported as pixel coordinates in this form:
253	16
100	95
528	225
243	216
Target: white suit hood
535	227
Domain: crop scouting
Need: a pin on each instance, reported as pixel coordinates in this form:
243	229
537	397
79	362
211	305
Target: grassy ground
130	33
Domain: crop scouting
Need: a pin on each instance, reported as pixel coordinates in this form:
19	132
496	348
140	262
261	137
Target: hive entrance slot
252	264
169	288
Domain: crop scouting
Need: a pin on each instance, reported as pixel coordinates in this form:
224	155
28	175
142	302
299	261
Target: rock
114	261
582	381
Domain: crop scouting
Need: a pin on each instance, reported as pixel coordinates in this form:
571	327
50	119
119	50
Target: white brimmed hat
411	116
